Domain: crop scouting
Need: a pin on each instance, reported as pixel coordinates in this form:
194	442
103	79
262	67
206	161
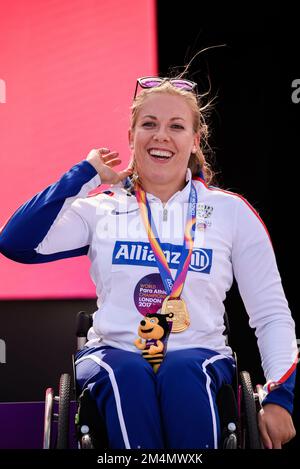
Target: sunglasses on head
153	82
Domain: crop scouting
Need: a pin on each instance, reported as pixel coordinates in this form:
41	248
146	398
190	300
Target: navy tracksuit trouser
174	408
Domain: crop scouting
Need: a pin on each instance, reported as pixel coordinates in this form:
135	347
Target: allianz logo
142	254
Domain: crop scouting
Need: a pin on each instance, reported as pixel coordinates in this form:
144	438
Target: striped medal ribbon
173	303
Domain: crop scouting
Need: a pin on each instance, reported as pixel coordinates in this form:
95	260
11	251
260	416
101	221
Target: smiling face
162	140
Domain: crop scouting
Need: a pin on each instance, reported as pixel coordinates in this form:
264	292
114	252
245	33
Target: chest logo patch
140	253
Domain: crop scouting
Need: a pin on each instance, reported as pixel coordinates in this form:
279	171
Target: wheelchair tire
64	412
48	417
251	435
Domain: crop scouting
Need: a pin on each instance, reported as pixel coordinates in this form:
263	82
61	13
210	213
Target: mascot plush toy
153	332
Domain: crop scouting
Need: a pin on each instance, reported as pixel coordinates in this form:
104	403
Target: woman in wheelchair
164	240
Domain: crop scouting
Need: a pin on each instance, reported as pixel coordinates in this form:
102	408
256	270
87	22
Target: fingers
289	434
103	150
266	440
125	173
104	162
103	157
104	153
111	159
99	151
106	157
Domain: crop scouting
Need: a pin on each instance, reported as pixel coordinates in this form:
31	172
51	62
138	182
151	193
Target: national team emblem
203	214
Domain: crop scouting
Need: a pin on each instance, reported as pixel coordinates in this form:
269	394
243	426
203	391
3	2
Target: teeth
162	153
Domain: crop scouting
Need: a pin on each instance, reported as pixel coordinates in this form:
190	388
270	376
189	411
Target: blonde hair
198	160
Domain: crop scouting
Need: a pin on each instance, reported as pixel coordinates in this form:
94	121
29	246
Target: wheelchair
238	405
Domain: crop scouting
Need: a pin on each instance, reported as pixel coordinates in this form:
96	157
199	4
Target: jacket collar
179	196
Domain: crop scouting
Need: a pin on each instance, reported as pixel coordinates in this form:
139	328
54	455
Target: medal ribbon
173	288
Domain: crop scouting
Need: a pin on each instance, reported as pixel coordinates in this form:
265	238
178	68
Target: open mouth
145	331
160	154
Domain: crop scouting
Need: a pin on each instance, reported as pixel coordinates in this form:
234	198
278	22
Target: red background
70	69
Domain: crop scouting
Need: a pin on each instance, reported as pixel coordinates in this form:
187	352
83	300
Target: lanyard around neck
172	287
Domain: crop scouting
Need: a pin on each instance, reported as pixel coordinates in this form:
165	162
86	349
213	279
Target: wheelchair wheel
250	431
64	411
48	418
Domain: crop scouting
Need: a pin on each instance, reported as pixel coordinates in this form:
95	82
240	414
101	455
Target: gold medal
181	318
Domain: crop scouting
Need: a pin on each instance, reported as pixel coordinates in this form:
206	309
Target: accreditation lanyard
172	287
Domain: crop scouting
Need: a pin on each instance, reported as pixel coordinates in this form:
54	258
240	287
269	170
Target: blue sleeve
29	225
283	395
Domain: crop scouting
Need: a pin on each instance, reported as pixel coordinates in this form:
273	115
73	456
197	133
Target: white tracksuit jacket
230	240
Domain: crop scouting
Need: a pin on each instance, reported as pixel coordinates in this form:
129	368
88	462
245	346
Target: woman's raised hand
104	160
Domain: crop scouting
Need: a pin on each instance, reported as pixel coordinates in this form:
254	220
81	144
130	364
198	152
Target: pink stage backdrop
67	75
